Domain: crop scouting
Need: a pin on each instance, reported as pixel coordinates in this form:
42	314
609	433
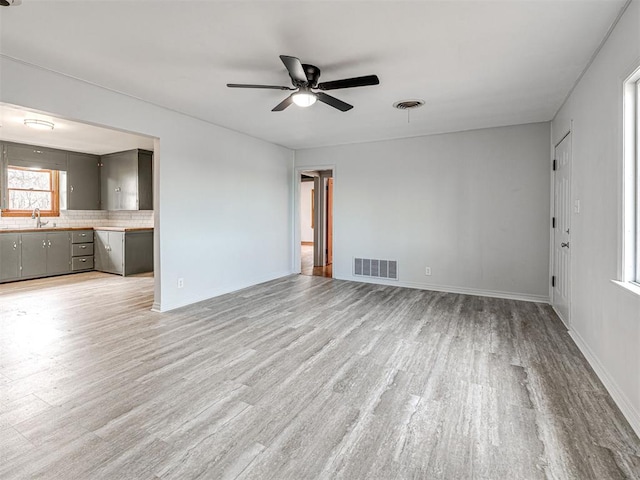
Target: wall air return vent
369	267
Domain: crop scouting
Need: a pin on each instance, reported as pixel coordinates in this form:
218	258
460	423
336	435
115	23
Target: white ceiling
476	63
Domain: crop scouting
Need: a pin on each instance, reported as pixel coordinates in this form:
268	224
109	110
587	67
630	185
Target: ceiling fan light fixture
304	98
38	124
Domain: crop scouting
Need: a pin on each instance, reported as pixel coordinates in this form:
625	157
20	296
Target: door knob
564	244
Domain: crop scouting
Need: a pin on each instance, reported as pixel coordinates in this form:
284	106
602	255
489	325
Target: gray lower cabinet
9	256
123	253
109	251
45	254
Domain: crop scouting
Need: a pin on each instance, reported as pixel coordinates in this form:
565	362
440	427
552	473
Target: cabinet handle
83	260
83	234
44	244
83	247
71	188
49	243
15	245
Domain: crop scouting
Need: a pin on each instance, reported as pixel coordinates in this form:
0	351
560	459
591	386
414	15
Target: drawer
81	263
82	236
81	249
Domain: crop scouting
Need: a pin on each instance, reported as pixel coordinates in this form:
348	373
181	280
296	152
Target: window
30	188
636	181
631	247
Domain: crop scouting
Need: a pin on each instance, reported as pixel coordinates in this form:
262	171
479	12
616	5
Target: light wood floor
299	378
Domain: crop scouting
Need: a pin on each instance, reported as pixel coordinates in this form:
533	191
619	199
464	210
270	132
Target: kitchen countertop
57	229
124	229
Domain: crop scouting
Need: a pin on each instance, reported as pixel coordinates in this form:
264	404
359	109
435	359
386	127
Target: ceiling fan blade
350	83
333	101
245	85
296	72
283	104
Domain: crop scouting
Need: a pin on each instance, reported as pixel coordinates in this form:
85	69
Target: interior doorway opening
316	223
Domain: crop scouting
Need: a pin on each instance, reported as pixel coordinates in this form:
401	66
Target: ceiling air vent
408	104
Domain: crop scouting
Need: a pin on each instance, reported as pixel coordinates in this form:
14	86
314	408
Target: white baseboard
561	318
623	403
221	291
448	289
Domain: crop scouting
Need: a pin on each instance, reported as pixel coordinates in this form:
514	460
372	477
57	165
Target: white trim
632	288
623	403
525	297
628	215
560	317
566	321
297	171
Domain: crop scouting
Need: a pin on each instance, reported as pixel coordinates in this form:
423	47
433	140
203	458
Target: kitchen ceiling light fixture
304	98
10	3
39	124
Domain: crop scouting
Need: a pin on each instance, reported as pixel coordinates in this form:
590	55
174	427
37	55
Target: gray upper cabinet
9	256
32	156
83	182
126	180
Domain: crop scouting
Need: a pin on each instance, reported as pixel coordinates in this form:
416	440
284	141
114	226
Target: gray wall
605	317
473	206
216	189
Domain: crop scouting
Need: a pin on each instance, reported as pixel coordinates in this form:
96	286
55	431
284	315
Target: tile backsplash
85	218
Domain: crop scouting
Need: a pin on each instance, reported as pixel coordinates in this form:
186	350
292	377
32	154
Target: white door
562	230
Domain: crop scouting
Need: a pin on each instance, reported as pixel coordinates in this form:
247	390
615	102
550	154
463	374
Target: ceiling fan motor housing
313	74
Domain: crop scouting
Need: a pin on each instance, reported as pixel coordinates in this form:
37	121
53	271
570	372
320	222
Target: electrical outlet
180	282
427	271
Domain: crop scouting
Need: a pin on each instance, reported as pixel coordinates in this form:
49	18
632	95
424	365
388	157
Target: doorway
316	223
561	273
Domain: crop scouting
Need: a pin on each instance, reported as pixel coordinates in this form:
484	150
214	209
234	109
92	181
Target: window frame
631	181
636	182
54	183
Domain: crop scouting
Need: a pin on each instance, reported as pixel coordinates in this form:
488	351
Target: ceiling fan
304	78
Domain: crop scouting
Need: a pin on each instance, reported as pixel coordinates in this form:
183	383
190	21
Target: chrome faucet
36	214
